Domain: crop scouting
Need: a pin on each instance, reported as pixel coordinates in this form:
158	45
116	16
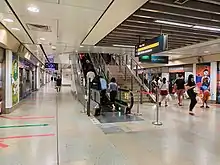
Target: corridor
28	136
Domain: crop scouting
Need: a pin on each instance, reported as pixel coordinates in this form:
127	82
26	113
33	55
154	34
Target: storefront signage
152	46
178	69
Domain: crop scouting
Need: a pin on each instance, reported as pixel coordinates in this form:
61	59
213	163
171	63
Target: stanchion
89	97
138	105
157	122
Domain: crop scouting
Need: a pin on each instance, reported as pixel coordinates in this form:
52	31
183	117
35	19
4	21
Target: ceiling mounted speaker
180	2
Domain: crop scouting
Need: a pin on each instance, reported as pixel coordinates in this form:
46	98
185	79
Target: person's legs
192	103
162	97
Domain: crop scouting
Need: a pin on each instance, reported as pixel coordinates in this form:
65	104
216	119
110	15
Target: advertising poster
202	73
15	85
218	83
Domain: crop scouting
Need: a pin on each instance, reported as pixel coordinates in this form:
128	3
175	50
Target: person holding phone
190	86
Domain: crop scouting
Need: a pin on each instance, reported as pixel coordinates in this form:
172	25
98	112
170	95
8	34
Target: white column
213	80
38	77
8	80
194	71
44	78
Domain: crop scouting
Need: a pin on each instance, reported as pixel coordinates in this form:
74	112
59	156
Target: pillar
38	77
8	80
213	81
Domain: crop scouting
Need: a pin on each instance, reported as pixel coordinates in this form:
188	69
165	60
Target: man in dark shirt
180	86
59	83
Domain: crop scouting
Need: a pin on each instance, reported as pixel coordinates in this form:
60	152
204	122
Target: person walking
205	91
190	86
59	83
180	87
163	89
113	88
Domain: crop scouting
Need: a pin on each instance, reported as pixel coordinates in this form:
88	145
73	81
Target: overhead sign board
152	46
154	59
51	66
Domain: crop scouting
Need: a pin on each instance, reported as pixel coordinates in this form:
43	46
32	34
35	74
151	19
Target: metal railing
130	68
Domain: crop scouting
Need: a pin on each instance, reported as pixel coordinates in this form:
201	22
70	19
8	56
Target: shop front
218	83
175	71
27	78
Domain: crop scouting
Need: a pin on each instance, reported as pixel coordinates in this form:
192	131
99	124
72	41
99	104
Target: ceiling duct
37	27
180	2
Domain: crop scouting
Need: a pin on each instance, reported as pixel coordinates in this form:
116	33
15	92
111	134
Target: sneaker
166	105
207	106
202	106
191	113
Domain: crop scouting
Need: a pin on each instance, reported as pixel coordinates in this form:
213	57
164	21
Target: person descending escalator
113	89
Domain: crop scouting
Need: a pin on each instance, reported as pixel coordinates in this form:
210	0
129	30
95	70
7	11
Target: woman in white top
163	89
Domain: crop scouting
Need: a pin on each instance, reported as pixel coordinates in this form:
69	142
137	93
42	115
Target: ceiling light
53	47
206	51
206	28
173	23
16	29
43	39
33	9
125	46
8	20
81	46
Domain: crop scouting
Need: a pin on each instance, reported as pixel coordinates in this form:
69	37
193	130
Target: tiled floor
182	140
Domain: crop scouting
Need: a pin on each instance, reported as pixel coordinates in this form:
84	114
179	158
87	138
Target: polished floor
28	136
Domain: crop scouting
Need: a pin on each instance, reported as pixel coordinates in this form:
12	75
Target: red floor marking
27	136
2	145
27	117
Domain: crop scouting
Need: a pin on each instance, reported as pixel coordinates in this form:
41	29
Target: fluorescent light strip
125	46
173	23
206	28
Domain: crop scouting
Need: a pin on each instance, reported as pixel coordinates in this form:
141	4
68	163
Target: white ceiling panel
92	4
116	14
67	28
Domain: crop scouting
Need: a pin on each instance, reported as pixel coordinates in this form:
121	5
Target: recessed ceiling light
173	23
206	51
33	9
16	29
206	28
8	20
53	47
81	46
43	39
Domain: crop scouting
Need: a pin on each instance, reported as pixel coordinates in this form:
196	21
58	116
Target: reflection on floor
115	140
113	117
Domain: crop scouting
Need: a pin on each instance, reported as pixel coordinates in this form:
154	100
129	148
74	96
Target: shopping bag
169	98
199	99
175	95
185	95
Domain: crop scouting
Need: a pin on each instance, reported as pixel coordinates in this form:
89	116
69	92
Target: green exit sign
145	58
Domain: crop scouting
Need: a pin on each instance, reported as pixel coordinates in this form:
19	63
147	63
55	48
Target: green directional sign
24	125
